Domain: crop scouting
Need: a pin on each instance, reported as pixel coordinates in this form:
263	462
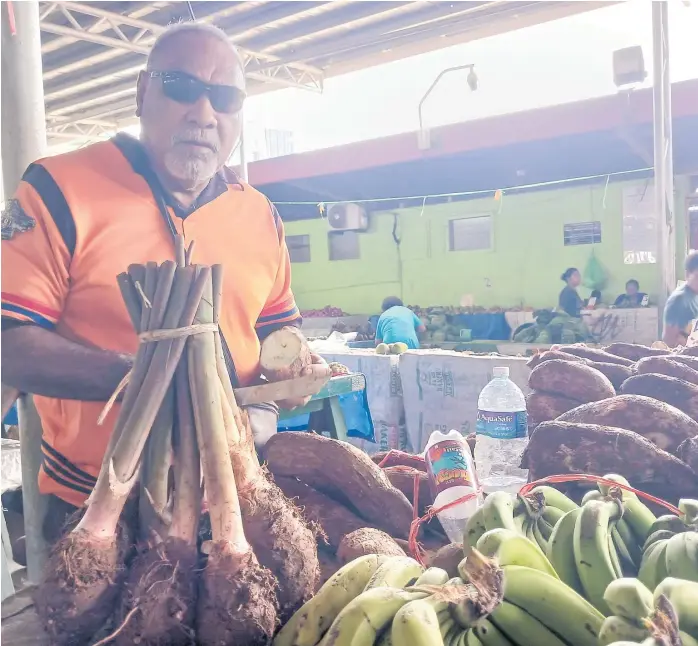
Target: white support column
23	126
23	115
663	154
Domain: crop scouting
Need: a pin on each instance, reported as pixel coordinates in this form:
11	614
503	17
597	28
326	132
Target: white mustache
199	137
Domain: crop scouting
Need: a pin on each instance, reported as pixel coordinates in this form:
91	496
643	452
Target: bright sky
558	62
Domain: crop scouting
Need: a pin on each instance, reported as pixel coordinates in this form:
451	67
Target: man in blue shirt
398	324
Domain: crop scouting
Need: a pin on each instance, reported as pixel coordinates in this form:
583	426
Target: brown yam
675	392
542	407
572	380
344	473
283	542
399	458
237	600
689	351
688	452
691	362
667	366
333	517
659	422
402	478
634	351
284	354
548	355
367	541
581	350
447	558
329	564
616	373
565	447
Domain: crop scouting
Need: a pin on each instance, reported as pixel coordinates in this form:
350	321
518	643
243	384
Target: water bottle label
448	466
502	426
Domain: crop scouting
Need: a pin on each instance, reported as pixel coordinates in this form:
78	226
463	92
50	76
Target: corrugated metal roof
92	51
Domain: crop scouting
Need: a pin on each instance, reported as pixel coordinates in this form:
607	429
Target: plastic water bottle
452	476
501	434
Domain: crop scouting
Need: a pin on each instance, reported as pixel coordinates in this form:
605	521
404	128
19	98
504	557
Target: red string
11	18
418	552
394	453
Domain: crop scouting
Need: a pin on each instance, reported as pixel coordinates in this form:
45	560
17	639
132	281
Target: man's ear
141	87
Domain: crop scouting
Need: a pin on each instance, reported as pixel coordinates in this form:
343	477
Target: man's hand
319	369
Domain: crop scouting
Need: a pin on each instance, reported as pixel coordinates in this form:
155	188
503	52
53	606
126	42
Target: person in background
632	297
682	306
569	300
398	324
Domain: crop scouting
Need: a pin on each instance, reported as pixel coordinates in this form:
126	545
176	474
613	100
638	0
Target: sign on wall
639	225
576	233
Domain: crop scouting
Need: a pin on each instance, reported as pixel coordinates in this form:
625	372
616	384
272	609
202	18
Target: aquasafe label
448	466
502	426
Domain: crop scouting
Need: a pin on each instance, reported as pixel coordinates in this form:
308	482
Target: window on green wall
298	248
343	245
470	234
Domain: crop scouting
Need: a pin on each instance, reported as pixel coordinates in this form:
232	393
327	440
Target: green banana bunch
544	507
637	515
510	548
395	572
364	618
594	552
432	576
560	550
632	604
313	619
417	624
683	597
498	511
474	528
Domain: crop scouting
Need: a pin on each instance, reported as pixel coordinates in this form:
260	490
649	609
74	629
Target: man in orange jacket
79	219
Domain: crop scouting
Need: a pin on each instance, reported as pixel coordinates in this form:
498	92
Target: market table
326	403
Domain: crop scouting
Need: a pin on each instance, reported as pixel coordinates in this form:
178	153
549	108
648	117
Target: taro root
543	407
634	351
284	354
237	600
667	366
85	569
549	355
616	373
581	350
678	393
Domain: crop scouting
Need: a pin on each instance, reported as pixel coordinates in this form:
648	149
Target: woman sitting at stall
569	301
633	297
398	324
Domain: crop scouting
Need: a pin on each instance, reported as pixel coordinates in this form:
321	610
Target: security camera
472	80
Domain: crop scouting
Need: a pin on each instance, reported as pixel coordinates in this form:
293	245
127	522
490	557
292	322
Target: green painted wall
523	268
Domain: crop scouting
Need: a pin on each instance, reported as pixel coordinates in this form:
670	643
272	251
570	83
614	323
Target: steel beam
663	154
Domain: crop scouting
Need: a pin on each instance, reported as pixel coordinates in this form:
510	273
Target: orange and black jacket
77	221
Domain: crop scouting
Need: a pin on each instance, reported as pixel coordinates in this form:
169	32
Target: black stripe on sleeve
75	472
54	201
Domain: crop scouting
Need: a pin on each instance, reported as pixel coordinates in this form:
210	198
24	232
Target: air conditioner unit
347	217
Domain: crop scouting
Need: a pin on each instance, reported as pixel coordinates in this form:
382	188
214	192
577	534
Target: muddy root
158	601
237	601
81	587
283	542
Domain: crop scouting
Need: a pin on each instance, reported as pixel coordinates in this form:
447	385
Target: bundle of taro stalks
180	438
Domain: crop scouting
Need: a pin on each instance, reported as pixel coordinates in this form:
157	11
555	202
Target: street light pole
423	135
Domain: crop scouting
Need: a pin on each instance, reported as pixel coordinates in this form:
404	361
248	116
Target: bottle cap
500	371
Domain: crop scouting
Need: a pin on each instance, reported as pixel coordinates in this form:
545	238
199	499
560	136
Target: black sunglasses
184	88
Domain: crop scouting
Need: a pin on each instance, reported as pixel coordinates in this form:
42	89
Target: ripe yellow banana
366	617
498	511
510	548
616	629
311	621
682	556
683	596
553	603
395	572
629	599
416	624
593	549
521	628
560	550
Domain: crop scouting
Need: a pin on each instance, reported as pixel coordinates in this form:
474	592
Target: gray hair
202	28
